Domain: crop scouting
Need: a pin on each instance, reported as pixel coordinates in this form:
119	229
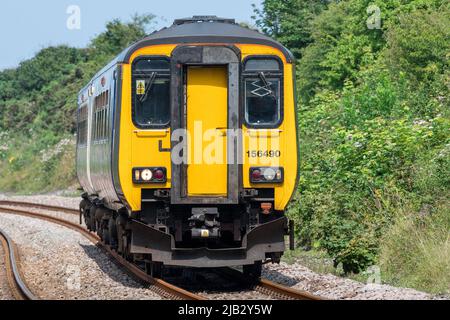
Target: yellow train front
187	147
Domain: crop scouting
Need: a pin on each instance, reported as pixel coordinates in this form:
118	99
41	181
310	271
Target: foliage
374	128
37	107
119	35
289	21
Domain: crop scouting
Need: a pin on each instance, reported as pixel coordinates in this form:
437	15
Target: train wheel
84	205
253	271
92	222
105	235
124	243
112	233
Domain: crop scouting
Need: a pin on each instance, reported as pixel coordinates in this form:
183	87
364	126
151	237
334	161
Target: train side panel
95	151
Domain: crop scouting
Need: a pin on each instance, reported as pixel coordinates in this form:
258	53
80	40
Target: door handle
160	147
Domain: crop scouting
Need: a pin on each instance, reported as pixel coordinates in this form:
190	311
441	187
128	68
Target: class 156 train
187	148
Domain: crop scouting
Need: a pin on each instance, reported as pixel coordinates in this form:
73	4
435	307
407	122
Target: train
187	148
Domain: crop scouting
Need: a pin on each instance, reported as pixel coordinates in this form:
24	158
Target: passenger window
82	128
263	92
151	93
101	105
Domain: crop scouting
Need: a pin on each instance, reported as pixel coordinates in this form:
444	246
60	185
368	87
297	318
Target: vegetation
37	108
375	143
375	120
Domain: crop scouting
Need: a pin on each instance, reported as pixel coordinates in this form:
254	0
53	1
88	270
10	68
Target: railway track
269	288
16	283
159	286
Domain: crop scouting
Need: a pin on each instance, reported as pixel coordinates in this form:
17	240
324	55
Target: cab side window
263	92
151	92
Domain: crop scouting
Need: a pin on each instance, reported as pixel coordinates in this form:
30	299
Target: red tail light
159	175
256	175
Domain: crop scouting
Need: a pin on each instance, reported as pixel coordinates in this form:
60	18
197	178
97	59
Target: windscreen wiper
148	87
267	86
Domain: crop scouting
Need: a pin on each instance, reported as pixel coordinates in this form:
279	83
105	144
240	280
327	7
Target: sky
28	26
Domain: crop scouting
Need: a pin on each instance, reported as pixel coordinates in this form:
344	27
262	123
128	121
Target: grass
415	252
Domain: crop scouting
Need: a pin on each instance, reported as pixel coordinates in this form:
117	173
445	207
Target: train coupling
204	223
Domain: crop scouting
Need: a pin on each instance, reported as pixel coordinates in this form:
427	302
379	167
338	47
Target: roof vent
195	19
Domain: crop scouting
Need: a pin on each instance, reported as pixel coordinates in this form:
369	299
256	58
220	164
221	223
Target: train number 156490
264	154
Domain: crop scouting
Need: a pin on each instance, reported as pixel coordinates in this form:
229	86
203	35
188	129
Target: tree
289	21
119	35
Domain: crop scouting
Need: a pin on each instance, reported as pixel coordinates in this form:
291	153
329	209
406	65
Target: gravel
333	287
215	286
293	275
60	264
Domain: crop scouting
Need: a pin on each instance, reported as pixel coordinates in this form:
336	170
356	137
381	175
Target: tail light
149	175
267	175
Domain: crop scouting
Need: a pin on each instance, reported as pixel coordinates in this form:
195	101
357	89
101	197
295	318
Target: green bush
374	127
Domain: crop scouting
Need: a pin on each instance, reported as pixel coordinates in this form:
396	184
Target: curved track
18	287
161	287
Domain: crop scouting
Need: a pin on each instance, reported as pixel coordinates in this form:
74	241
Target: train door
205	105
207	94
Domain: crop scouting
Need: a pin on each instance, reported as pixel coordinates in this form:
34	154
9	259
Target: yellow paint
283	138
139	148
207	101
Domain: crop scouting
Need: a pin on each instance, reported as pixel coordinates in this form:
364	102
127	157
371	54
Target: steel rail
264	286
159	286
268	287
38	206
17	284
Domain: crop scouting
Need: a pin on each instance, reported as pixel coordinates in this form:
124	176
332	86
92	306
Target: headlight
266	175
149	175
269	174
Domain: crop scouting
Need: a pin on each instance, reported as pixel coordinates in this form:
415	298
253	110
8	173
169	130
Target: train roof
200	29
206	29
